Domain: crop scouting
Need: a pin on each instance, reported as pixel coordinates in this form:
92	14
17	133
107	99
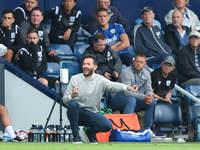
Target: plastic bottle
69	132
34	132
60	130
41	133
30	136
1	134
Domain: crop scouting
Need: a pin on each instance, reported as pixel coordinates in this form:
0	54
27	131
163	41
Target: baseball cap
147	8
170	60
194	33
3	50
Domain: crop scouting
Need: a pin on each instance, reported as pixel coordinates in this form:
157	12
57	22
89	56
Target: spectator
163	80
176	35
114	16
10	35
35	21
149	39
5	120
23	12
188	61
65	22
115	36
32	59
83	97
109	63
137	75
190	18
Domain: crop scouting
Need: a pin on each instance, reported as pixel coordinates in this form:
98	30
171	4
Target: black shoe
17	139
76	139
92	138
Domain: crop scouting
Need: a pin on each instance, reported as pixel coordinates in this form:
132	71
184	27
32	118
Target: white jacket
195	24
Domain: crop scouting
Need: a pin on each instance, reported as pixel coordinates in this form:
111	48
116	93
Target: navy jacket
186	64
172	39
150	41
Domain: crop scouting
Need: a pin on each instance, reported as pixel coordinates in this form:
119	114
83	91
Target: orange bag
119	121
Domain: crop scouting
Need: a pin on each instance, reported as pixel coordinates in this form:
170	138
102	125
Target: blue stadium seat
47	27
168	118
83	36
73	68
194	90
53	69
176	97
64	87
79	49
132	50
156	66
193	112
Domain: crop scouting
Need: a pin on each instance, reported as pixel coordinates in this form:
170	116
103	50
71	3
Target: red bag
119	121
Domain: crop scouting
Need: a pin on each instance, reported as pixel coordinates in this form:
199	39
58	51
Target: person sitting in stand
23	11
109	63
10	36
32	59
116	36
35	21
65	22
163	80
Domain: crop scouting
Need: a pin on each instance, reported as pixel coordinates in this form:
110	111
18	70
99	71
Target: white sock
11	132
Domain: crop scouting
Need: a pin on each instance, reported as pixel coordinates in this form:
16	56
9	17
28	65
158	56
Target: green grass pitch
100	146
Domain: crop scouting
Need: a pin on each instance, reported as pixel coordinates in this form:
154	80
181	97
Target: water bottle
41	133
34	132
60	130
69	132
1	134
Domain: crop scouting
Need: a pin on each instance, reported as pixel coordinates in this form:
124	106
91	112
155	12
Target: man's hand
6	25
148	99
67	34
133	88
107	75
74	92
168	100
115	74
52	53
115	44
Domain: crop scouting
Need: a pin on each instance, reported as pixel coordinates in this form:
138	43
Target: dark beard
89	74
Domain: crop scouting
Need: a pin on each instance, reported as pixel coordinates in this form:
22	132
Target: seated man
5	120
83	97
32	59
23	12
10	35
188	61
149	39
176	35
163	80
115	36
190	18
65	22
114	16
143	99
109	63
35	21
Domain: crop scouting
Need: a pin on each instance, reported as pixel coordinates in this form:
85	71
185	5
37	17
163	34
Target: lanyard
139	77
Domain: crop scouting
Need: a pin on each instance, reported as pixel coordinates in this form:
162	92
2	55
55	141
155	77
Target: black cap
147	8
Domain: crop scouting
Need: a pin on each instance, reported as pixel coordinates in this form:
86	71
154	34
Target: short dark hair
98	36
6	11
95	62
32	30
74	0
101	10
141	55
37	8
